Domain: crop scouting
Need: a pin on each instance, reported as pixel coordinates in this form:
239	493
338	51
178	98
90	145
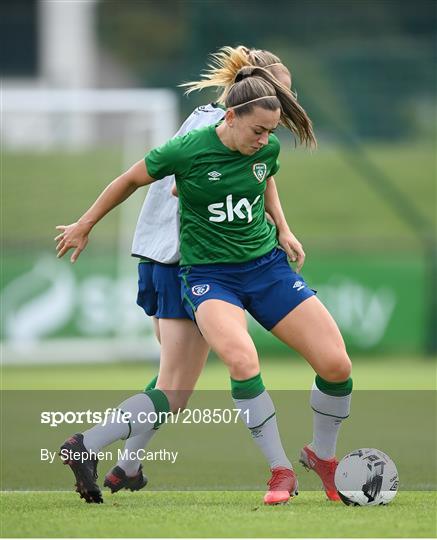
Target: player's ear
230	117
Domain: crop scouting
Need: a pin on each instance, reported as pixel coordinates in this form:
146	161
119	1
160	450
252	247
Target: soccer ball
366	477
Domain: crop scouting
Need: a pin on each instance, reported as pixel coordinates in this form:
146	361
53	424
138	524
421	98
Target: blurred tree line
364	65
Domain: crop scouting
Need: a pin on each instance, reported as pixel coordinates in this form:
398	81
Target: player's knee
243	368
338	368
232	352
241	360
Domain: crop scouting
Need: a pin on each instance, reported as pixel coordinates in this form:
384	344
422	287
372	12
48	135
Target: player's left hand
292	247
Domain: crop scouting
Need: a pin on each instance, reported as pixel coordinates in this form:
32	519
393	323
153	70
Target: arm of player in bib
286	238
75	235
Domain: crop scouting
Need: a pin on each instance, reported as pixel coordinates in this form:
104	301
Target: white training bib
156	235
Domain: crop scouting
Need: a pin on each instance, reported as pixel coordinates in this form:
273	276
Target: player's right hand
292	247
73	236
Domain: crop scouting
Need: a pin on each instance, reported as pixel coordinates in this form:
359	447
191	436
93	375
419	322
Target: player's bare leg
224	326
312	332
156	328
182	359
183	355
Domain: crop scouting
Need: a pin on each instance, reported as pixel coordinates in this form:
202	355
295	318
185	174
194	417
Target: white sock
103	434
260	417
132	445
329	412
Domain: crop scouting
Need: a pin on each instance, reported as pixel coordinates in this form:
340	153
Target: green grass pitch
213	514
285	373
220	513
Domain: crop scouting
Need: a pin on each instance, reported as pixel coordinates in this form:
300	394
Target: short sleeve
167	159
275	167
276	147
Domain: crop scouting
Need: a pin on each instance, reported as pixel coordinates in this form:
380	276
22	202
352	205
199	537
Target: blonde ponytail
221	70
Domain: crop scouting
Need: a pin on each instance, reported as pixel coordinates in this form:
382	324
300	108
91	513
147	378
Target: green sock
152	384
160	401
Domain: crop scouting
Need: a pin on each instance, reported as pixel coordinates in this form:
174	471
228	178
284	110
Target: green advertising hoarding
379	301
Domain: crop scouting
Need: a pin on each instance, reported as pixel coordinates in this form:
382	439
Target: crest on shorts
260	171
200	290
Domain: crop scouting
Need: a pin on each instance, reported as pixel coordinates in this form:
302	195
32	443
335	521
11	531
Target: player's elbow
137	175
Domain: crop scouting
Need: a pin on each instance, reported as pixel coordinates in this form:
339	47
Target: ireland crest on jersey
260	171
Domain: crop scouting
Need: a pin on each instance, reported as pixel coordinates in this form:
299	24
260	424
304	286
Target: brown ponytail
252	83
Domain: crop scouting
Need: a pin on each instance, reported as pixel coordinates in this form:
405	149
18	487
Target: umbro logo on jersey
213	176
260	171
299	285
200	290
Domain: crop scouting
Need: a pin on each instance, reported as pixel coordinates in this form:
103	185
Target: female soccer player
156	242
230	262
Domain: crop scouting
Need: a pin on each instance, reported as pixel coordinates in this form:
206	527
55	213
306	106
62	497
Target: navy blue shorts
159	291
266	287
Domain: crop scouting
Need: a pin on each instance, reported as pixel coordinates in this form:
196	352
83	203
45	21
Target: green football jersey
221	196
